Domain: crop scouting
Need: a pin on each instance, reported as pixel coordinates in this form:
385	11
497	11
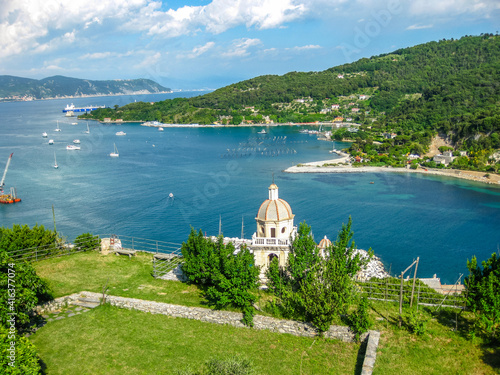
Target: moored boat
121	133
115	153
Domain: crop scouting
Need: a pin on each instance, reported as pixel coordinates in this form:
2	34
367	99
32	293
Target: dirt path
438	141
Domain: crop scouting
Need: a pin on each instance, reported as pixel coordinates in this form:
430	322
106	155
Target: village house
445	158
335	106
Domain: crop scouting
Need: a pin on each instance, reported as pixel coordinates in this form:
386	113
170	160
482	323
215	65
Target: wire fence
166	254
389	290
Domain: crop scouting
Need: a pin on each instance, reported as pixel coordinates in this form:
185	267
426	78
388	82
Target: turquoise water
216	172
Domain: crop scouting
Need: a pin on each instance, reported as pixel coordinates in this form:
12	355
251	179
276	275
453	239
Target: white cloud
449	8
418	27
24	23
216	17
240	47
200	50
303	48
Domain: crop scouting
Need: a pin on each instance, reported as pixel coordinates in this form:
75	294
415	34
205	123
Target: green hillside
12	87
449	86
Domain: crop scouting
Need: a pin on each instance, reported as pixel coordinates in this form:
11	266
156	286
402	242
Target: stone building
275	231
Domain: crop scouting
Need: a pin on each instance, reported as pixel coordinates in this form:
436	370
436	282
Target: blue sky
212	43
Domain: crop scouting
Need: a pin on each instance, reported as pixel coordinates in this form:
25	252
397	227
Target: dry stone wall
206	315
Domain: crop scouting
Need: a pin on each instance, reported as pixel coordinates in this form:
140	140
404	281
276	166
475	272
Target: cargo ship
72	108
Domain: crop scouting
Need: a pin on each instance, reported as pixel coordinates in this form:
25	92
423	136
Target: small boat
51	141
57	127
160	129
171	195
88	130
44	134
74	123
121	133
72	147
115	153
76	141
55	161
371	182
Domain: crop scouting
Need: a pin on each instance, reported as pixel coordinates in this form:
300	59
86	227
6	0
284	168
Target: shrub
416	322
87	241
17	354
20	291
360	321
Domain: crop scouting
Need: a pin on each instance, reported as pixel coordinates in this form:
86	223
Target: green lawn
109	340
439	351
124	276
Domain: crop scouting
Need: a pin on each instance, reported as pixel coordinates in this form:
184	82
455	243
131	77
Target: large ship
72	108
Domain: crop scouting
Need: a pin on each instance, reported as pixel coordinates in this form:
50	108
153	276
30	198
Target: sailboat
88	130
57	128
115	153
55	161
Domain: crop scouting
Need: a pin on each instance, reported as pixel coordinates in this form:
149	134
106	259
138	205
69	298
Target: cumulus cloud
240	47
24	23
216	17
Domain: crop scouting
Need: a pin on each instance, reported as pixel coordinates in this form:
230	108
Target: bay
224	173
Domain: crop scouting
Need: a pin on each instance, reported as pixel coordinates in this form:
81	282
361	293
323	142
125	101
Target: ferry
72	108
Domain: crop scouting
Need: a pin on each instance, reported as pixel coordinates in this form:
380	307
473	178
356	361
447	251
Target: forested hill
13	88
449	86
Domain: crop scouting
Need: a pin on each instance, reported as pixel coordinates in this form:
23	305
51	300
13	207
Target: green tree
483	294
230	276
317	287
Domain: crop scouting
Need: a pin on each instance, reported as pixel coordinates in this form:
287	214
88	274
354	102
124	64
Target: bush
87	241
20	291
360	321
20	358
416	322
234	365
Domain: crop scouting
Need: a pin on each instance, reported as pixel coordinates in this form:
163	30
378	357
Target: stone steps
89	303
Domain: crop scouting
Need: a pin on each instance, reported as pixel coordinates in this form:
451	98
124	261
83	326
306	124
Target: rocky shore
373	269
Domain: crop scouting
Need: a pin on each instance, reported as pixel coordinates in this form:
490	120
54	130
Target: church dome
274	210
324	243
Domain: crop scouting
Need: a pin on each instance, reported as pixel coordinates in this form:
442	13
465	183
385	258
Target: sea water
222	175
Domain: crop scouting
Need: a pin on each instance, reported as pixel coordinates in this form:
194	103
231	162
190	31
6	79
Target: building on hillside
275	231
445	158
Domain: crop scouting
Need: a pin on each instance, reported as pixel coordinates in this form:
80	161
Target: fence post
401	302
413	287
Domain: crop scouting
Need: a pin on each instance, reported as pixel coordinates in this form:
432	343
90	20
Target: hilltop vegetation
16	88
449	87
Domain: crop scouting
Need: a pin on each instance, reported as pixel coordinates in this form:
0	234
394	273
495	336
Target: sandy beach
333	166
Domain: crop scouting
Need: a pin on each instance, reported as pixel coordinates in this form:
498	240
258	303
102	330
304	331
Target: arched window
270	258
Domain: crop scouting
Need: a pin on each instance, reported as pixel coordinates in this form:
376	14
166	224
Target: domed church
275	231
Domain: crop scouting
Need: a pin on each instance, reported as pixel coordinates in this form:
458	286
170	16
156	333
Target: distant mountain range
19	88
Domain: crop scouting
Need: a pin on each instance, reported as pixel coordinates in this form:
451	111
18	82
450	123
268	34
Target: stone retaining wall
207	315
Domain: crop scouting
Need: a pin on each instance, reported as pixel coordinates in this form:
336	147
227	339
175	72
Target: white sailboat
115	153
88	130
55	161
57	127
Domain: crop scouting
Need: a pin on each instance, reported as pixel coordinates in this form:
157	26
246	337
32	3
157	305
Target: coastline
331	166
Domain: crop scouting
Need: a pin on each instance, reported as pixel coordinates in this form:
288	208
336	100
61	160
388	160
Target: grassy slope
439	351
110	340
